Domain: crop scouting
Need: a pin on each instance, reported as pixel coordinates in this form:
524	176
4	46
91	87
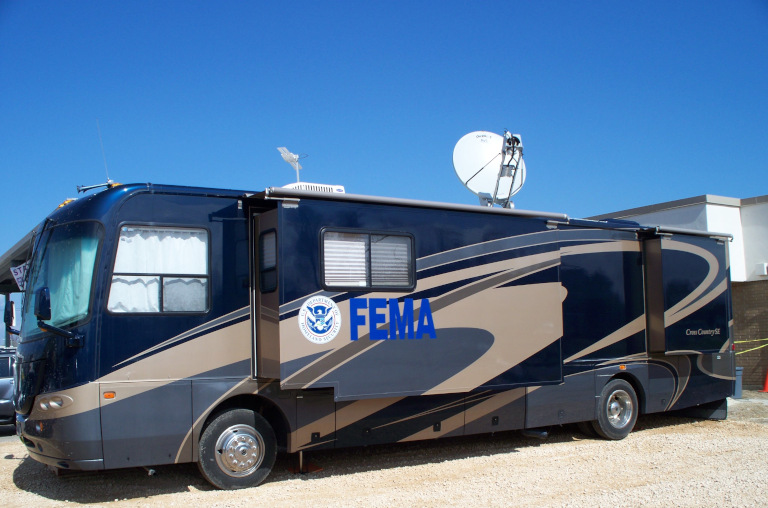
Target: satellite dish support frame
511	153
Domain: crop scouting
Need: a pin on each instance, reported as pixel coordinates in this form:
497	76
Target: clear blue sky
620	104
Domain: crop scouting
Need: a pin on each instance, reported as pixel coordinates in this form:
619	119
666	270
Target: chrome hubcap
619	409
239	450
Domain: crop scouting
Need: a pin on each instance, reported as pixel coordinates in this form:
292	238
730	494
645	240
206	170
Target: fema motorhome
168	324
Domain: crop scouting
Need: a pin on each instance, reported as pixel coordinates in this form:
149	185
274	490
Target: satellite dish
491	166
292	159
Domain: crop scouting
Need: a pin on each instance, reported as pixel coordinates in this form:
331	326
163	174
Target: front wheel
618	409
237	449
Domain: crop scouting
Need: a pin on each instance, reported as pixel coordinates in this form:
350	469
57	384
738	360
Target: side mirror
43	304
43	313
9	318
10	312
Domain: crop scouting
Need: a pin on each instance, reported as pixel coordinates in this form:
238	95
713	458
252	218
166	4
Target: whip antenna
110	183
103	155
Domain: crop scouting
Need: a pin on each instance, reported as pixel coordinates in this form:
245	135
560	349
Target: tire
617	413
587	429
237	449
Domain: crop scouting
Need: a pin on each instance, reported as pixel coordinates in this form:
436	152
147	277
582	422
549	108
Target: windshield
64	262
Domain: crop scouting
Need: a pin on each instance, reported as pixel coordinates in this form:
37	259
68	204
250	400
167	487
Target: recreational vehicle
165	324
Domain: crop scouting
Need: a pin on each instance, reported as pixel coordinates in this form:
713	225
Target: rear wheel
237	449
617	413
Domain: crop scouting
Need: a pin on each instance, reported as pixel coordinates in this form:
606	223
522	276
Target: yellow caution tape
754	348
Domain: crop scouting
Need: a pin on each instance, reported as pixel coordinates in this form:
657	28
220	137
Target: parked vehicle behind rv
7	362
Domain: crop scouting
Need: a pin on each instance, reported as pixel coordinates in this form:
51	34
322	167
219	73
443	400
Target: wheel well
637	386
264	407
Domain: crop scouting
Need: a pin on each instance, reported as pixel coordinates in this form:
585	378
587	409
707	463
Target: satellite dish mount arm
511	154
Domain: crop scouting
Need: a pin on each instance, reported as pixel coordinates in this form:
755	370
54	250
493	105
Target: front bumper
37	447
70	442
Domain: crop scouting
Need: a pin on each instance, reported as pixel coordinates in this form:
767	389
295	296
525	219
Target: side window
367	260
268	261
160	270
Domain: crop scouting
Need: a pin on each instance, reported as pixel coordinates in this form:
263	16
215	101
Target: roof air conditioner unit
315	187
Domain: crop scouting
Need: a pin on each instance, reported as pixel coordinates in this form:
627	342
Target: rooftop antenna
84	188
292	159
103	155
491	166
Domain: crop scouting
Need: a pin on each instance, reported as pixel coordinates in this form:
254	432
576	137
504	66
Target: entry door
265	301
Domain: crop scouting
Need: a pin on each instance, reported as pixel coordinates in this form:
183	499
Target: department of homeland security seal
319	319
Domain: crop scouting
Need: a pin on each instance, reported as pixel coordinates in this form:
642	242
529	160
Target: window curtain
161	251
344	259
70	267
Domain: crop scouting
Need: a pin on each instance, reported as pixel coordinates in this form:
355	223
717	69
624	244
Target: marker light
109	395
66	202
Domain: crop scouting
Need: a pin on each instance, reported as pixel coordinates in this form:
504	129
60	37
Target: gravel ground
666	461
